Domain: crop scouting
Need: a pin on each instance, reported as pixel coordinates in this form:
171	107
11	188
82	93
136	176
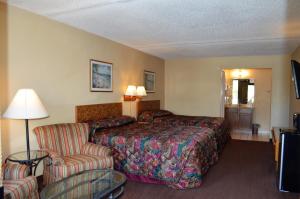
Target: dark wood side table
35	157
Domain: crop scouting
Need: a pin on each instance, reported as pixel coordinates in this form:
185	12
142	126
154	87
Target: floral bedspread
182	120
178	156
217	124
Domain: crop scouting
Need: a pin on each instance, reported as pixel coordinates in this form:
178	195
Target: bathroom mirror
243	91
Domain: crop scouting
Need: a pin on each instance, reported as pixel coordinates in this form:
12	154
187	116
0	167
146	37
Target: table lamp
26	105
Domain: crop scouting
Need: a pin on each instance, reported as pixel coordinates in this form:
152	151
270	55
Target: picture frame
149	81
101	76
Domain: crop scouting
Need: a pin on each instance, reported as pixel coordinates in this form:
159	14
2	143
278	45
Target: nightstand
35	157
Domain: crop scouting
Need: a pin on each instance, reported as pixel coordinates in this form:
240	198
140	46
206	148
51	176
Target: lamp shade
131	90
26	104
141	91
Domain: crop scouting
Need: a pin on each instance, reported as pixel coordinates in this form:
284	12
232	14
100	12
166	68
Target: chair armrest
15	171
95	149
56	158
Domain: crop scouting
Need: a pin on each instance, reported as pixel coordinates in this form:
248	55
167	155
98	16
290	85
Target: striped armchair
17	182
70	151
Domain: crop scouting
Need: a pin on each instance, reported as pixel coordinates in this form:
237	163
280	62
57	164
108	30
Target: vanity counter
239	106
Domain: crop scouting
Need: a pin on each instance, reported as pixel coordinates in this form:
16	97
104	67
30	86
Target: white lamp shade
131	90
141	91
26	104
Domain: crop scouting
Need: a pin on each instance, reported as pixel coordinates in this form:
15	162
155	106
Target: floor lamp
26	105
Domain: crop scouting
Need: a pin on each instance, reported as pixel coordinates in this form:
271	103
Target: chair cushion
22	188
78	163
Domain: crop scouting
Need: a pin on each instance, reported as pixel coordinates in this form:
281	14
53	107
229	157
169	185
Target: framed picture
101	76
149	81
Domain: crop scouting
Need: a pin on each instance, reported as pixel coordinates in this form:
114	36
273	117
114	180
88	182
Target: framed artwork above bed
101	76
149	81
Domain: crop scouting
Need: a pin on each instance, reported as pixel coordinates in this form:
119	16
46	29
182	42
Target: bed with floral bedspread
166	118
154	153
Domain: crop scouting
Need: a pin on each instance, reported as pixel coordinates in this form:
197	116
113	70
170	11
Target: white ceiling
183	28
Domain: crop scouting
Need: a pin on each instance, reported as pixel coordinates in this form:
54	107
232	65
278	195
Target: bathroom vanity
239	116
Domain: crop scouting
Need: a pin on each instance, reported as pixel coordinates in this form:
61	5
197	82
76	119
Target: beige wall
3	65
294	103
193	86
263	91
53	59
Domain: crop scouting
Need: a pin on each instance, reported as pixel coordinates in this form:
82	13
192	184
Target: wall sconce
130	94
141	92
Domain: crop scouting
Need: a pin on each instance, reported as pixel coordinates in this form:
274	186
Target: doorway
248	101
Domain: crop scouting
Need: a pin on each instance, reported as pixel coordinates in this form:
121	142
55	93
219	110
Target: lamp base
129	98
28	143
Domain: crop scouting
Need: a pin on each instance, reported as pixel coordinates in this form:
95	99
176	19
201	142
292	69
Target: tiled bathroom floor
244	135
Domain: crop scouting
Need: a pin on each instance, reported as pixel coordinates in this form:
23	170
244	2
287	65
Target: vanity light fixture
240	73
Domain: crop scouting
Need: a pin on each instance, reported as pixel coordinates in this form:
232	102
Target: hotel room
150	99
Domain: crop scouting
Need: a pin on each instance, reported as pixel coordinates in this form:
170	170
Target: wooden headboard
147	106
84	113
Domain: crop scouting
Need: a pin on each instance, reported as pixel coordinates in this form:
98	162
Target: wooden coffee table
87	184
